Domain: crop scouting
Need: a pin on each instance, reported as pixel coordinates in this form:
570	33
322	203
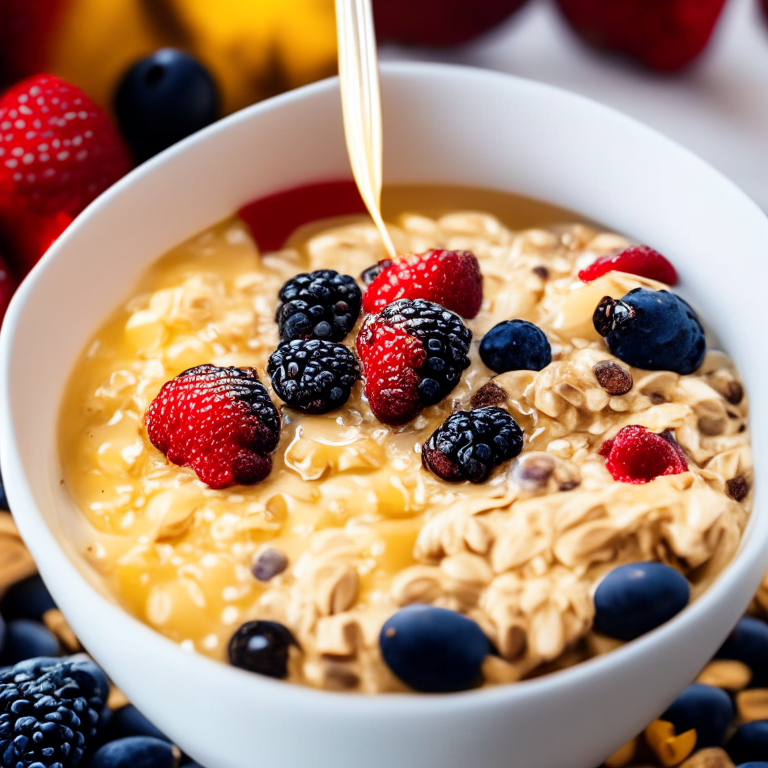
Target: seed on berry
469	444
614	379
262	647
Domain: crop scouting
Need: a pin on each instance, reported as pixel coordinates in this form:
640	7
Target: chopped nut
614	379
713	757
752	704
338	677
737	487
489	394
269	564
337	589
58	625
15	561
734	392
116	699
541	271
727	674
622	755
338	635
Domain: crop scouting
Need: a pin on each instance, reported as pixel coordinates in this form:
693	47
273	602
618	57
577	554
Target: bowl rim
35	530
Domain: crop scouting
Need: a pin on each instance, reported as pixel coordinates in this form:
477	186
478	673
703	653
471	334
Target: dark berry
136	752
370	274
704	708
737	487
128	721
27	639
48	714
748	643
318	305
653	330
433	649
614	379
413	352
469	444
749	744
634	599
27	599
515	345
3	498
261	647
313	376
162	99
218	421
270	563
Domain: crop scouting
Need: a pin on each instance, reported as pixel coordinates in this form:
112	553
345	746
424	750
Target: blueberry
634	599
653	330
515	345
135	752
748	643
433	649
28	599
749	743
262	647
704	708
27	639
128	721
750	764
162	99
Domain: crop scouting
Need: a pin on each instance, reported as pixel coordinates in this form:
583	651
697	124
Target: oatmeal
348	527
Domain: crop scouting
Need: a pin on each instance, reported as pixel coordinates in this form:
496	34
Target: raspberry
469	444
313	376
218	421
637	260
48	713
637	455
413	352
320	305
449	278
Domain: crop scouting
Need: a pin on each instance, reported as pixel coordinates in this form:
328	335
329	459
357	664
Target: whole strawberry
413	353
218	421
449	278
665	35
58	152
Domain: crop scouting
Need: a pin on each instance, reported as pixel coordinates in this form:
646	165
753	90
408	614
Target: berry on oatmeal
469	444
318	305
49	711
704	709
515	345
737	487
59	151
218	421
413	353
262	647
636	260
432	649
270	563
451	279
636	598
614	379
636	455
489	394
654	330
313	376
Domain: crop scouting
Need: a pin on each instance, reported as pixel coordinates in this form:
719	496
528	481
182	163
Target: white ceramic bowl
442	125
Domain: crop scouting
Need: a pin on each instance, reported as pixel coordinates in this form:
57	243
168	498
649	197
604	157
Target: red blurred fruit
665	35
58	152
7	288
438	23
637	260
636	455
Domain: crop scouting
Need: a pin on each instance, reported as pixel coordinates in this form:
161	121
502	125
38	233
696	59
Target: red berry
637	260
413	353
637	455
449	278
665	35
58	152
218	421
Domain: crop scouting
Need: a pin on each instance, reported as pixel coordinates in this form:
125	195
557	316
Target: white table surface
718	107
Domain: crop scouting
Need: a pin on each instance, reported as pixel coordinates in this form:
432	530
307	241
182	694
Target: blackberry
469	444
444	337
48	713
318	305
313	376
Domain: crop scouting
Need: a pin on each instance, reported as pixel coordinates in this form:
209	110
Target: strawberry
218	421
413	353
449	278
637	455
665	35
58	151
637	260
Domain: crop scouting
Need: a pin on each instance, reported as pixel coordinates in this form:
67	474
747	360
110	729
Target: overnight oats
503	453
